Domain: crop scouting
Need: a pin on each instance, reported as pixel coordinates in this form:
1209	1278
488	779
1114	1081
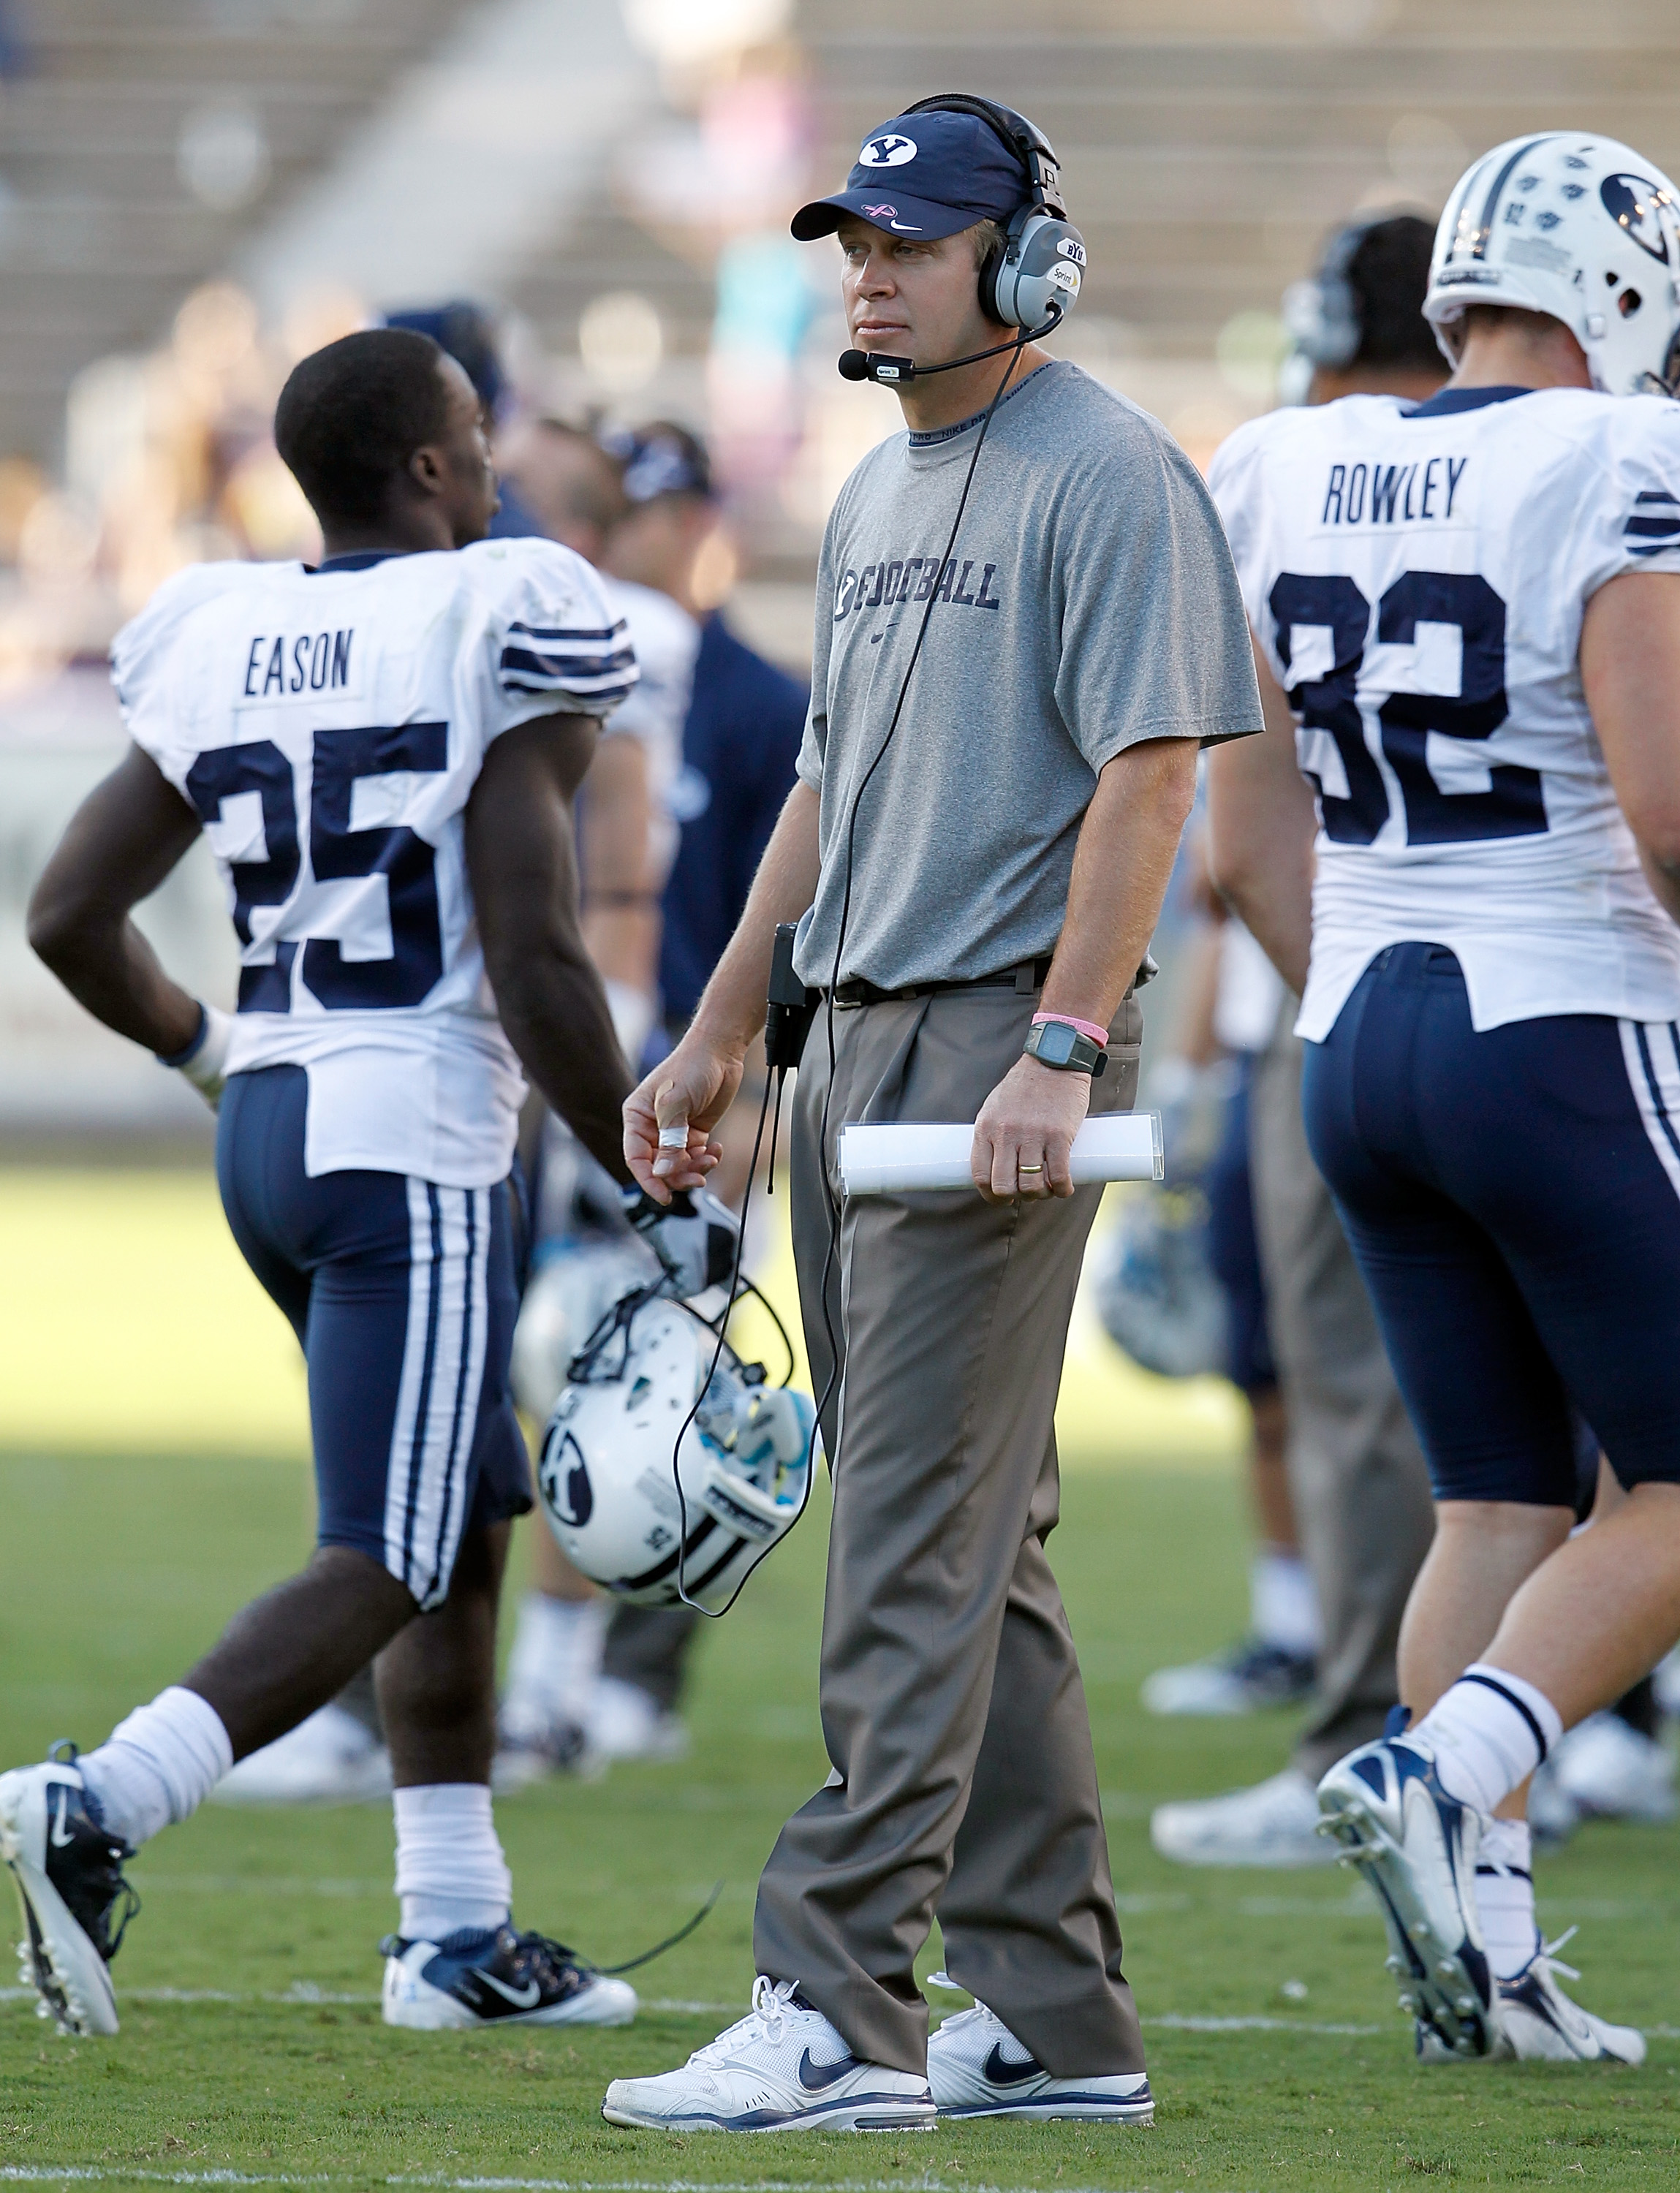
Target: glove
693	1236
204	1060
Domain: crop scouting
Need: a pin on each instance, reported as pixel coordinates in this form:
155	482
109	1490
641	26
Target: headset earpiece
1035	274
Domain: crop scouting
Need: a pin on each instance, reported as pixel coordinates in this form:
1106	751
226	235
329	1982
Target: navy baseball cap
923	175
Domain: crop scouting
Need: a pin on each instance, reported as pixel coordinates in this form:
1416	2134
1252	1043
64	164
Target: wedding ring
1020	1168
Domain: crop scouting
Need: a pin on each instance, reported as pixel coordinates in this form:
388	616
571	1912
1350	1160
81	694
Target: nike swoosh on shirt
815	2077
56	1831
523	1998
998	2071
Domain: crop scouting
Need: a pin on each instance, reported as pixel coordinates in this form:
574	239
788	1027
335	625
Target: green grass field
252	2053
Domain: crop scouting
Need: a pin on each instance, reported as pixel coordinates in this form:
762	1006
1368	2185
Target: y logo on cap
888	151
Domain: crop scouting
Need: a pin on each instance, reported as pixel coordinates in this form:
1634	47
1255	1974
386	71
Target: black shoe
497	1977
77	1906
1247	1679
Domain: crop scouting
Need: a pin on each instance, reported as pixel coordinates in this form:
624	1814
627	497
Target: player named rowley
1471	608
382	751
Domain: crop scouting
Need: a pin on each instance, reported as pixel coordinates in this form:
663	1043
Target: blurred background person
1358	1486
1230	1001
587	1681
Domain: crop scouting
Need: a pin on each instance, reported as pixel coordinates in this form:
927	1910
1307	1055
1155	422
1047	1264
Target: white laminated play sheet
879	1158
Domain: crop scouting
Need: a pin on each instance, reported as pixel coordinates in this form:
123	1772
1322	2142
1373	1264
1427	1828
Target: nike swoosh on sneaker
999	2071
813	2077
525	1998
58	1830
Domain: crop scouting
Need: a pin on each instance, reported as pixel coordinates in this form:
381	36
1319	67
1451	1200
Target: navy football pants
1513	1200
402	1295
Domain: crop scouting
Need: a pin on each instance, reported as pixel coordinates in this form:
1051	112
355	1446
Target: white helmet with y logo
1577	226
650	1531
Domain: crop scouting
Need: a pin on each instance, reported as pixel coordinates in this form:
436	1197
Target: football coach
976	859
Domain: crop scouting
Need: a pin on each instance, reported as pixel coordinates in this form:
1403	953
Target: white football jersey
329	726
1417	576
666	640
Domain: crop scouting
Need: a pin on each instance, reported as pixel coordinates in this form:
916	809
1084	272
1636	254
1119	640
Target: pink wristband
1100	1036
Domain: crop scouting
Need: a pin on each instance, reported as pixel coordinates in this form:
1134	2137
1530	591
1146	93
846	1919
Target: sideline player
382	751
1356	1476
1472	609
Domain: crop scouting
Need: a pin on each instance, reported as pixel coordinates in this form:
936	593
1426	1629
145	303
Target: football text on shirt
913	579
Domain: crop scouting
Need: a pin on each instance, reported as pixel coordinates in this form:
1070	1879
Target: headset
1032	279
1325	313
1017	281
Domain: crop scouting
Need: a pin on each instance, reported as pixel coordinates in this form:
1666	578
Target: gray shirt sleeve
1149	587
814	745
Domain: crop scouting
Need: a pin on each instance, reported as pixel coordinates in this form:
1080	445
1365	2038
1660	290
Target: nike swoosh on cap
999	2071
815	2077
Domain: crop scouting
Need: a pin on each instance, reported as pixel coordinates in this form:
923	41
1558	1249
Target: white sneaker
331	1759
497	1978
1542	2025
977	2068
1611	1772
68	1873
1385	1805
1274	1823
783	2068
622	1723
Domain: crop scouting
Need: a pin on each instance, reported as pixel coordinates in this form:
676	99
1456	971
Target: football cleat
1249	1678
783	2068
977	2068
1384	1807
497	1977
1542	2025
68	1870
1274	1824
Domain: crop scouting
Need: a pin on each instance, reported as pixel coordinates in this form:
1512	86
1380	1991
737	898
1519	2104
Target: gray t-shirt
1090	604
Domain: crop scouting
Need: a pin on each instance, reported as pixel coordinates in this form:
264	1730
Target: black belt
1025	978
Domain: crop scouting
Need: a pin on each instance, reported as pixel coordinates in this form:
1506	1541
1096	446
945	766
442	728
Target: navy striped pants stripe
402	1295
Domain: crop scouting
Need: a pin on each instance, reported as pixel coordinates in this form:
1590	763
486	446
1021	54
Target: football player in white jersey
382	751
1467	617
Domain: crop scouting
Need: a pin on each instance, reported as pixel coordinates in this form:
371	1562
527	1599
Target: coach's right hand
692	1090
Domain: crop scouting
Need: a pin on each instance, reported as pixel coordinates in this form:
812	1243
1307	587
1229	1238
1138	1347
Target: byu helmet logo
887	151
1633	202
571	1497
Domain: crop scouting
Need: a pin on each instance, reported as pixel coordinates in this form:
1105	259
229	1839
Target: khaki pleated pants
964	1785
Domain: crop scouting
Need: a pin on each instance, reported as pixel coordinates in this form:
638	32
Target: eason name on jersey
279	664
1420	494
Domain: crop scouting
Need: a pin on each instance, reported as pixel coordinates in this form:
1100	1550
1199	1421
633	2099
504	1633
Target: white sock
451	1876
1283	1607
557	1649
1505	1896
1489	1731
159	1766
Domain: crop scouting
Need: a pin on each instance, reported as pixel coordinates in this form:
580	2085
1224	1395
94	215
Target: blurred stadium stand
192	192
140	140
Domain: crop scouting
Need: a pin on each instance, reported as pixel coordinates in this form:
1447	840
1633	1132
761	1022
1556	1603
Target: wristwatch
1058	1044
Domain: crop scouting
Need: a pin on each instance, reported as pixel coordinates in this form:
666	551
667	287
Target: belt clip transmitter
792	1007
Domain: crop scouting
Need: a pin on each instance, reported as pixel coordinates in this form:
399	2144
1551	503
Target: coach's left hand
1028	1122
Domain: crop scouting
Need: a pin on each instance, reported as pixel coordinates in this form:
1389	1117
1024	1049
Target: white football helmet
1579	226
563	1305
605	1477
